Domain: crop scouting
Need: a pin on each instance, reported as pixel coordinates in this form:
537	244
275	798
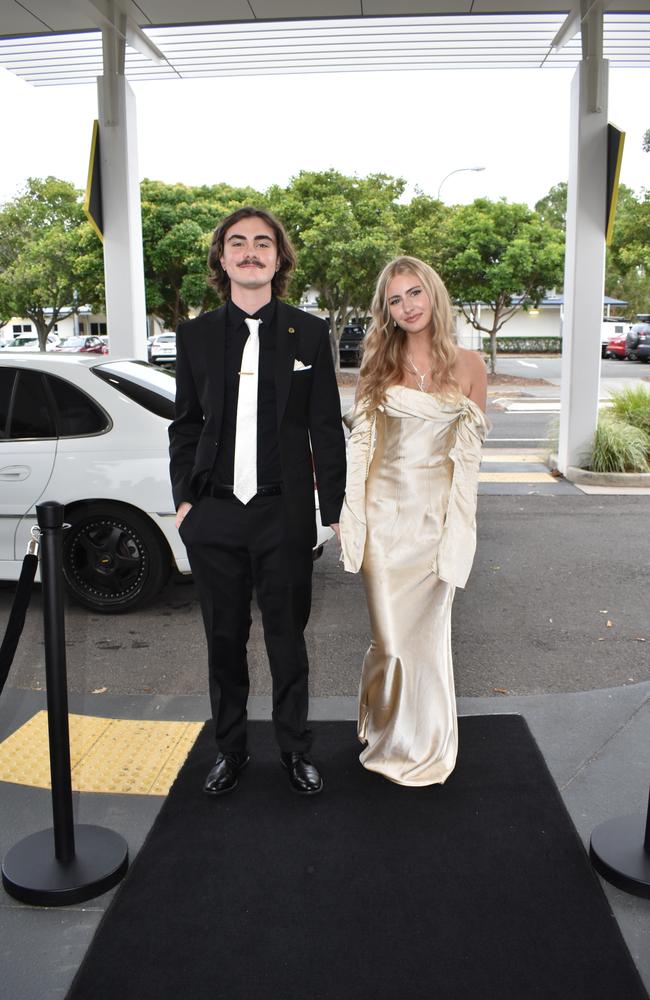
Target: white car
92	434
28	343
163	348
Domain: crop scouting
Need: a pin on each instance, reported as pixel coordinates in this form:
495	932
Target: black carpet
476	890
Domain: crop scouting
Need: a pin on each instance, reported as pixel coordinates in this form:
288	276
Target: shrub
525	345
632	406
619	447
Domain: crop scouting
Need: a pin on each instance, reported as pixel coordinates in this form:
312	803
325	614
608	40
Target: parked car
19	345
350	344
163	348
638	342
81	345
92	434
608	329
617	346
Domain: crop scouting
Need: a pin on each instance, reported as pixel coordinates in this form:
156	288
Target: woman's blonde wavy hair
384	346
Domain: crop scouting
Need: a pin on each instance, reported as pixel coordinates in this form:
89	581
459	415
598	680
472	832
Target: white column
584	271
123	258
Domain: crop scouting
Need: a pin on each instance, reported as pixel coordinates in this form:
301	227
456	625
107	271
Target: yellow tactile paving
516	477
129	756
490	458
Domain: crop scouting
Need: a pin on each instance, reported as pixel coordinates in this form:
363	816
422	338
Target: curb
574	474
630	479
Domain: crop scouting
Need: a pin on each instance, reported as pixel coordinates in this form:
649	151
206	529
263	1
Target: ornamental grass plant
619	446
632	406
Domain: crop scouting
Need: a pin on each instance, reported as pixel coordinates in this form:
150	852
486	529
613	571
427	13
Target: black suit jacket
308	409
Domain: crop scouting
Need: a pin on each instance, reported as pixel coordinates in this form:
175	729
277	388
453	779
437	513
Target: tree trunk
334	339
42	328
493	351
337	320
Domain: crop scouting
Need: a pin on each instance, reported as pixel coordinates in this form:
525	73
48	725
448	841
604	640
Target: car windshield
169	338
151	387
74	342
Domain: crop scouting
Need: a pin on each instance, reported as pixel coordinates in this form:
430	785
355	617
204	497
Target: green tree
419	223
628	257
177	225
501	255
345	230
47	259
627	274
552	207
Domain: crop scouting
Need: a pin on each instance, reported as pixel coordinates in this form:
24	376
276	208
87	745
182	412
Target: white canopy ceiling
53	42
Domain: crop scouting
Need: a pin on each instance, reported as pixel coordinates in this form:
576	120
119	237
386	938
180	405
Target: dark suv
638	342
350	344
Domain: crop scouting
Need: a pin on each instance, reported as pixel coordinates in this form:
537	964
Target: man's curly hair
286	254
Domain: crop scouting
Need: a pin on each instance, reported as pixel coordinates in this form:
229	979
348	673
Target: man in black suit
256	400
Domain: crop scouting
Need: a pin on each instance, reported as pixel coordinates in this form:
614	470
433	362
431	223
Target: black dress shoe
303	776
223	776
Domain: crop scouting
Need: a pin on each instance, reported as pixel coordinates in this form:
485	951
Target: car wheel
631	356
113	558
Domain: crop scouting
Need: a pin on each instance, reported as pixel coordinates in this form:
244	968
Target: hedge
525	345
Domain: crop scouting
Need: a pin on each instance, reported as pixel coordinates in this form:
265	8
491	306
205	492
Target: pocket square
299	367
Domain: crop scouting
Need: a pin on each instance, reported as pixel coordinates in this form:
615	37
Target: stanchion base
617	853
32	874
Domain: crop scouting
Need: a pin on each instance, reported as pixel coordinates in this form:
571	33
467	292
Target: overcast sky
419	126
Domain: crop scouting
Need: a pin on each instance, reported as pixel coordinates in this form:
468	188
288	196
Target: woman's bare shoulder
468	364
471	375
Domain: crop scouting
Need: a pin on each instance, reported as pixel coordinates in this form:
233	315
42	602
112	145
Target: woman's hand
182	512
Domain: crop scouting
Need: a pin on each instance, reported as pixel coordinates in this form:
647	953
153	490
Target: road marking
528	364
511	457
533	406
516	477
540	405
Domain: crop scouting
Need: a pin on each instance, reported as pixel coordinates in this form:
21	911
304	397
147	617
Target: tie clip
245	373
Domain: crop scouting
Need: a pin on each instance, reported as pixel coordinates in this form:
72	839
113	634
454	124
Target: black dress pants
232	549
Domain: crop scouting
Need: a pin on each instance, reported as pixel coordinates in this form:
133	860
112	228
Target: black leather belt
225	492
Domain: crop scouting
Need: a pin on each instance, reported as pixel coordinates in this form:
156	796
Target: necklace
421	378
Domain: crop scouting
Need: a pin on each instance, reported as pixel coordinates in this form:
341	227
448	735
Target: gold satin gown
409	523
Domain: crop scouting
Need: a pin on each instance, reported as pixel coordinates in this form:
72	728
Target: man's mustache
251	260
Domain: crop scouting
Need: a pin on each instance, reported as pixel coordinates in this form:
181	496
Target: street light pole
459	170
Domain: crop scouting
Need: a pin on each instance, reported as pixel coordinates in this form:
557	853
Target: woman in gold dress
409	518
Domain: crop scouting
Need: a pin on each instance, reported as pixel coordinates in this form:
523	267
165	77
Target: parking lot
551	572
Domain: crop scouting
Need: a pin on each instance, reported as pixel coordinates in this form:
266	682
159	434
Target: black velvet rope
17	616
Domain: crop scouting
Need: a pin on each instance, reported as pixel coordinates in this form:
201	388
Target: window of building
98	329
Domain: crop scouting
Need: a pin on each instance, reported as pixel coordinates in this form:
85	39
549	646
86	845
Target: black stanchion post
67	863
621	854
50	521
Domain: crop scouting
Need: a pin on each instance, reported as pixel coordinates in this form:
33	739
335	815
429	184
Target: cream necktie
245	474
